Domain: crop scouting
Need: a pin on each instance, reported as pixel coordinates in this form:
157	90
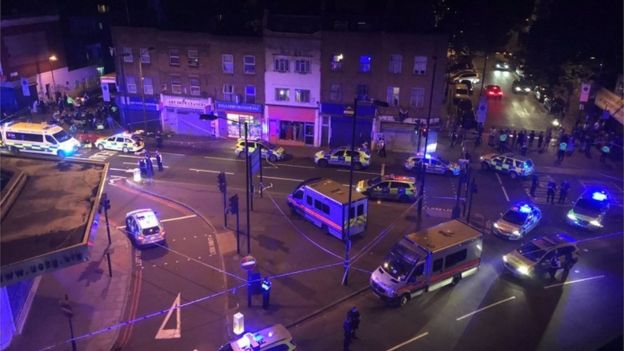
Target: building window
302	95
420	65
103	8
176	85
174	57
194	86
417	98
361	91
145	56
228	92
193	57
393	96
335	63
227	61
396	61
282	94
250	94
335	92
249	64
148	86
365	63
127	55
131	85
302	66
280	65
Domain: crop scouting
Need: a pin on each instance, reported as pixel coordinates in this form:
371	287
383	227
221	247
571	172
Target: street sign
254	161
248	263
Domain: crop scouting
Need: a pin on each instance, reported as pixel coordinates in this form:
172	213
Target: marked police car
144	228
274	338
433	164
389	187
536	257
520	219
124	142
514	165
341	156
269	151
590	209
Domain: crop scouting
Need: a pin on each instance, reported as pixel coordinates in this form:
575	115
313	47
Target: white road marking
224	159
485	308
167	220
295	166
502	187
171	333
208	171
133	163
172	154
408	341
361	172
573	281
287	179
130	156
120	170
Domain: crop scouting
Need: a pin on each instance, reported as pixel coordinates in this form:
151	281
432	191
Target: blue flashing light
427	156
525	208
599	196
258	337
566	237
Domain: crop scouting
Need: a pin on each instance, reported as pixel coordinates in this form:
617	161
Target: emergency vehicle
324	202
590	209
428	260
433	164
124	142
269	151
520	219
144	228
389	187
514	165
41	138
274	338
341	156
536	257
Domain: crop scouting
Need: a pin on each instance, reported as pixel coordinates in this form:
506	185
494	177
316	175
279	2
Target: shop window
193	58
174	57
417	97
131	84
420	65
335	92
127	55
194	86
249	64
335	63
228	92
365	63
302	66
396	61
176	85
227	62
302	95
361	91
148	86
250	94
281	65
282	94
294	131
392	96
145	56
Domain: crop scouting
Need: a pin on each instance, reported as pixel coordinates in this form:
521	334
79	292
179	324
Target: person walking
159	161
540	140
604	153
382	147
531	138
550	193
534	184
347	327
354	316
563	191
563	147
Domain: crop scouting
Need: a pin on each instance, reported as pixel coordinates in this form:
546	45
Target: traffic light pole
247	179
347	236
422	178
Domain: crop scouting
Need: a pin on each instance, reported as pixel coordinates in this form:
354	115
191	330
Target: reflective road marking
209	171
573	281
485	308
408	341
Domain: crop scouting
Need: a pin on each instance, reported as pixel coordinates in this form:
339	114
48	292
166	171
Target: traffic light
222	182
234	204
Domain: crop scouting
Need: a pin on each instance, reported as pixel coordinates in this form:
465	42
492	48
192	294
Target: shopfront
180	115
136	114
292	125
233	117
337	123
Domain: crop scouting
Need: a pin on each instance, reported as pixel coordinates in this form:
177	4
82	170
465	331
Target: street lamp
143	51
347	237
51	59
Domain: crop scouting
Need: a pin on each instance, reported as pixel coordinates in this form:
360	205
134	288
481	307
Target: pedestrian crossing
541	192
102	155
615	192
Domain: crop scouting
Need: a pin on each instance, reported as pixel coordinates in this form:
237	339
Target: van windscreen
61	136
400	261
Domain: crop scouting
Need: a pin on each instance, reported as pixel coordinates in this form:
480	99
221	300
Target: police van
428	260
324	202
41	138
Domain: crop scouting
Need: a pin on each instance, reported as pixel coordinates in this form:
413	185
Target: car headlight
527	89
505	258
572	215
596	223
516	232
524	270
517	88
481	158
496	225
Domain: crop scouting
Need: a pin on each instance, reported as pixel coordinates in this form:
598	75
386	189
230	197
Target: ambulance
325	203
41	138
428	260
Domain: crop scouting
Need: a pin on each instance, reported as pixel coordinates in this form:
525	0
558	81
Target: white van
324	202
41	138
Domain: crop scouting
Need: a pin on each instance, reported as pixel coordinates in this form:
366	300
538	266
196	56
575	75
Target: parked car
144	227
124	142
472	77
269	151
462	91
341	156
541	92
389	187
517	221
554	105
535	257
512	164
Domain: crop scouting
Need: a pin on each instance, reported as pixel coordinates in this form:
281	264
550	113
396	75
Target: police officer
348	333
563	191
149	165
550	193
159	161
534	184
354	316
382	147
143	167
604	152
540	140
159	139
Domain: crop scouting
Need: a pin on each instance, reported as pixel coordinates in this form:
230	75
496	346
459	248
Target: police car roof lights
147	219
525	208
599	195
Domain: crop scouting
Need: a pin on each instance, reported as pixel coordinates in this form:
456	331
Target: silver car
517	221
433	164
536	257
144	228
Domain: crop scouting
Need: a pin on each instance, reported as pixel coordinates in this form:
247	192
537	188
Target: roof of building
444	235
335	191
47	211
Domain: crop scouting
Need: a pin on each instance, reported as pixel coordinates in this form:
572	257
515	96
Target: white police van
41	138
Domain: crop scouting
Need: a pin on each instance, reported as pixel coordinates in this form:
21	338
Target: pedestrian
524	148
142	168
521	138
502	140
348	333
159	139
531	138
550	193
354	316
540	140
149	165
453	137
159	161
514	138
534	184
382	147
365	147
563	191
604	153
563	147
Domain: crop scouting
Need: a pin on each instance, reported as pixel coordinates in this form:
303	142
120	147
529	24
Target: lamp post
422	176
51	59
143	50
347	236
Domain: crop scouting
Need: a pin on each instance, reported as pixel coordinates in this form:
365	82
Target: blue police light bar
525	208
599	196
